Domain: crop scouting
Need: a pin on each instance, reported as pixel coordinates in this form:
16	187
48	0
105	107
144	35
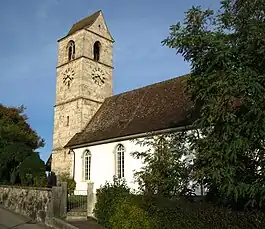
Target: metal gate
77	201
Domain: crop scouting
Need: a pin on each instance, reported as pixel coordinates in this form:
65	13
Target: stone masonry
44	205
77	103
34	203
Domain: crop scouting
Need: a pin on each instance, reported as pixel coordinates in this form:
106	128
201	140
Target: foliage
169	214
18	143
226	50
32	171
117	208
107	197
165	171
128	214
71	184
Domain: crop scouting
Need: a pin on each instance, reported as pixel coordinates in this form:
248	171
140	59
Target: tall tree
18	143
226	51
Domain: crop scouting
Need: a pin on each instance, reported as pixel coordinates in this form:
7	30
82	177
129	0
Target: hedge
117	208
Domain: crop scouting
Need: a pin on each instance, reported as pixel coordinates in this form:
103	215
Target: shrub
107	197
169	214
71	184
118	208
129	215
31	172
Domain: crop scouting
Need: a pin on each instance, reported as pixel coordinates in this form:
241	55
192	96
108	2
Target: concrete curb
60	224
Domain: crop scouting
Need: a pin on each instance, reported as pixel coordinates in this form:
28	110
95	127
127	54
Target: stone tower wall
75	105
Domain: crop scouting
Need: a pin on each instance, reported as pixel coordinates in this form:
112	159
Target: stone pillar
56	193
63	198
90	199
59	200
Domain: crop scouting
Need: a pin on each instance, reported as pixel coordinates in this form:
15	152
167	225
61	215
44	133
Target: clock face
68	76
98	76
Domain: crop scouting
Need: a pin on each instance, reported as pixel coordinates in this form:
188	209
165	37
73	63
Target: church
94	129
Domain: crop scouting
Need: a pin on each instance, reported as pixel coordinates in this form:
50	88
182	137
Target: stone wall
40	204
35	203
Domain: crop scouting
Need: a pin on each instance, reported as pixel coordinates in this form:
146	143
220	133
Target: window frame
87	165
71	50
96	51
119	160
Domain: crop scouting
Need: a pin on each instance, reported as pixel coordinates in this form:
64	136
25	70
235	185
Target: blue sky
30	30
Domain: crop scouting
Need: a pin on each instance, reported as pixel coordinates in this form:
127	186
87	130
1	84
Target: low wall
40	204
35	203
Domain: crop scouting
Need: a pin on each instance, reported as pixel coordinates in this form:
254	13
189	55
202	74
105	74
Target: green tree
165	171
18	143
226	51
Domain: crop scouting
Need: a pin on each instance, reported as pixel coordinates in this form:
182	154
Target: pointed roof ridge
85	22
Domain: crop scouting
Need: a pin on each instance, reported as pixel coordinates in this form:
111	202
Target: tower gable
100	27
94	23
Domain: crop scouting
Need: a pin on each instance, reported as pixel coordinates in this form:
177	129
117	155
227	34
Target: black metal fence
77	201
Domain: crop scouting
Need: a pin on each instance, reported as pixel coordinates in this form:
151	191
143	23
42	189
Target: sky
30	30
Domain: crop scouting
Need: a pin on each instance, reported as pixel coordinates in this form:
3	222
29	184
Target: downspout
71	150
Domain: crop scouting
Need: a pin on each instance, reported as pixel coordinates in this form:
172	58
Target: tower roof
86	22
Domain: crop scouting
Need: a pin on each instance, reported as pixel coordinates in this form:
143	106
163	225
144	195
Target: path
85	224
10	220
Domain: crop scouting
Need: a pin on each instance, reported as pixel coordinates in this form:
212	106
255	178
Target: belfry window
120	160
87	165
67	121
96	50
71	50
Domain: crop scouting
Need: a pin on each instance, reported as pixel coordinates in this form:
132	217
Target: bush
117	208
129	215
107	197
169	214
71	184
31	172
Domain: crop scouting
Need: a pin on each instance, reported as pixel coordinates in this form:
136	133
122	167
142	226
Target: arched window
96	50
120	160
71	50
87	165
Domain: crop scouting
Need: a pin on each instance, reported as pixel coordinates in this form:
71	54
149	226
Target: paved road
9	220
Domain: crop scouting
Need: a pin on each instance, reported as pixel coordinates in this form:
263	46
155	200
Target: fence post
90	199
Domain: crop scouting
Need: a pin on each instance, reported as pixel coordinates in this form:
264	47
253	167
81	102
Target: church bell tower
84	79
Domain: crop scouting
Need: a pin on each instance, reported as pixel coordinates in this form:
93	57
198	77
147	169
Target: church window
120	160
96	51
87	165
71	50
